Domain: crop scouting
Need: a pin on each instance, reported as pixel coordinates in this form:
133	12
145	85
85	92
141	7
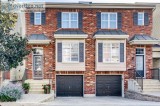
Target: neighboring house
156	33
89	48
16	74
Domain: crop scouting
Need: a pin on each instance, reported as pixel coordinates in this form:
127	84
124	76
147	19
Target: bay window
70	52
111	52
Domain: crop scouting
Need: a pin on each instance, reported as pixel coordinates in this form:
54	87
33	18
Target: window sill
109	28
112	62
70	62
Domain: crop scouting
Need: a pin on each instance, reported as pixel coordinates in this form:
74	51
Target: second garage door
108	85
69	85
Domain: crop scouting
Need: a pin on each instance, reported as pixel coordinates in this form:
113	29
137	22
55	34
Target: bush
11	92
26	87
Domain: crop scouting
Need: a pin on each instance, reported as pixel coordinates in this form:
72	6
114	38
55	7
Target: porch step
36	86
149	81
151	85
36	91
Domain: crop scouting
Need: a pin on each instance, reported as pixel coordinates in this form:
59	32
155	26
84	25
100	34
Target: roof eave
144	42
70	36
39	42
100	5
112	36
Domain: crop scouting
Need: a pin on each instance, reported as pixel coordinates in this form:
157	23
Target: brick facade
89	27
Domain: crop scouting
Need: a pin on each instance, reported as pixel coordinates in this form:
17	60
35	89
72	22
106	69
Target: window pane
107	48
65	16
107	57
111	52
74	48
66	45
140	22
74	57
66	54
139	51
115	58
70	52
66	51
38	51
66	58
140	15
37	15
65	24
104	17
73	16
37	63
104	24
37	21
74	24
113	17
113	24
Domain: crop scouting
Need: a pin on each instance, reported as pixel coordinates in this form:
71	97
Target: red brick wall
89	27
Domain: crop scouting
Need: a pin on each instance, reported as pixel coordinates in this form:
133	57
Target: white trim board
112	36
145	42
39	41
70	36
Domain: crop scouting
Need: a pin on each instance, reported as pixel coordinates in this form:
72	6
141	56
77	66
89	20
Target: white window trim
70	53
111	52
144	54
142	18
37	18
69	19
109	19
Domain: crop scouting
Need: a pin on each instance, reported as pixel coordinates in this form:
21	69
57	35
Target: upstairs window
109	20
140	18
69	20
37	18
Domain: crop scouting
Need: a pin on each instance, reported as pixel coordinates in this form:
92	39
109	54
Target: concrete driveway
99	101
96	101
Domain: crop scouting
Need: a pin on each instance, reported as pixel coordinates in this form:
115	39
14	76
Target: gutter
99	5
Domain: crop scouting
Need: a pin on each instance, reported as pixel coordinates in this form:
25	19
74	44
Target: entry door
37	72
140	65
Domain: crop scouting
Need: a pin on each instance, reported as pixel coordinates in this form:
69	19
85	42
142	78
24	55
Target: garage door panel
68	85
108	85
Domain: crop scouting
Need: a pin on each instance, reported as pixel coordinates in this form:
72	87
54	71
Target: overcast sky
96	1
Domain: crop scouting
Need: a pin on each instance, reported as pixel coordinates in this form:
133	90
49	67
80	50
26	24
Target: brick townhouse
89	49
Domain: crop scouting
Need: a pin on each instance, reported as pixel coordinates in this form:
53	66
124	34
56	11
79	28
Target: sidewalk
36	98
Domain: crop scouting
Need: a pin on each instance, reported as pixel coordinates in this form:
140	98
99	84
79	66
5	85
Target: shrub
46	88
26	87
11	92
